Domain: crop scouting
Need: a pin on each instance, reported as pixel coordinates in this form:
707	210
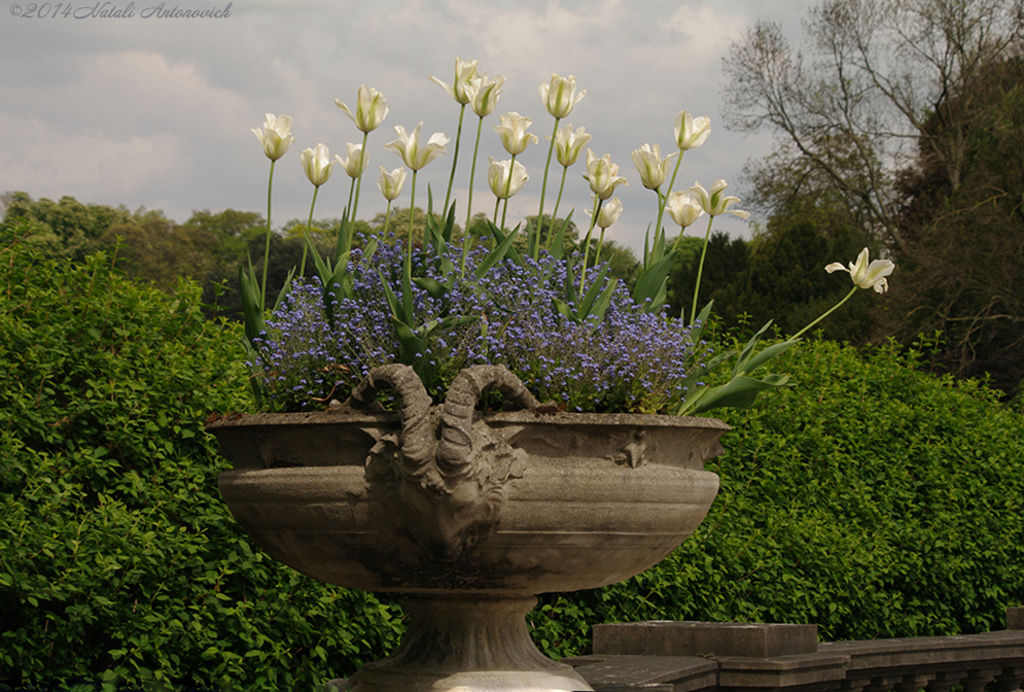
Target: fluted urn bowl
467	515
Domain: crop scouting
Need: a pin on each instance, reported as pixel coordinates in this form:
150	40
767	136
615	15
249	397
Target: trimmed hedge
120	565
873	500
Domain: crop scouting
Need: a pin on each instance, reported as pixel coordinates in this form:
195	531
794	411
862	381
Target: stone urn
466	515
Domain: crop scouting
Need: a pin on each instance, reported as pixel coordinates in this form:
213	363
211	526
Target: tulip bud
690	132
602	175
683	208
390	184
485	93
866	275
465	73
498	178
371	109
512	131
653	170
714	203
317	164
569	144
355	163
609	213
408	147
559	95
275	135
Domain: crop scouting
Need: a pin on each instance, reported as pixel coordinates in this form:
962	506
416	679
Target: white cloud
47	159
158	114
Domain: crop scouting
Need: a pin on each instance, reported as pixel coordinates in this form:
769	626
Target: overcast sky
156	111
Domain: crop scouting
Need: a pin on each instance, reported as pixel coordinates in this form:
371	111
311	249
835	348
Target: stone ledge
974	650
662	638
801	671
649	673
735	657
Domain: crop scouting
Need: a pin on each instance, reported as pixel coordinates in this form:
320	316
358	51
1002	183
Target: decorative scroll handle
455	450
417	442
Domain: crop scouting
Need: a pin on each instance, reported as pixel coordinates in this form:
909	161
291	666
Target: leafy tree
67	228
965	275
725	262
232	229
879	71
323	233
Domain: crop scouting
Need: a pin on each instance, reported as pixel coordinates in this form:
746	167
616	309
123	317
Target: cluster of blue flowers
630	360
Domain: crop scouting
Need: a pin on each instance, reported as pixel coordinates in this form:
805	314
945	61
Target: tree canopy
857	109
901	122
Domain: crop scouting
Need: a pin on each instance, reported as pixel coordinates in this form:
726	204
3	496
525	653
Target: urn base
469	644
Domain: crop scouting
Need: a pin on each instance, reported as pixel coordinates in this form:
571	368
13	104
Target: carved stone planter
467	515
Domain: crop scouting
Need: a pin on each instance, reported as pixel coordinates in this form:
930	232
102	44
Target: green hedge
872	500
120	566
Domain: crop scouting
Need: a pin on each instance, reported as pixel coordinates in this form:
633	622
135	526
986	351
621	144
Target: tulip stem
543	192
700	269
508	189
554	214
407	269
469	206
359	184
307	236
351	192
825	314
672	182
662	203
387	220
266	250
412	209
600	244
586	250
455	160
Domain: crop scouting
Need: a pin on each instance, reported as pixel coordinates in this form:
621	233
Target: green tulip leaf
583	309
651	282
740	392
558	243
434	288
767	354
503	247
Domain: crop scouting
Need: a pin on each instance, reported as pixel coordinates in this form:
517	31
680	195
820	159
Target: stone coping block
649	673
1015	618
665	638
793	672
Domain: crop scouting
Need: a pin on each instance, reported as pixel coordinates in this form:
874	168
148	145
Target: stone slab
649	673
1015	618
794	672
663	638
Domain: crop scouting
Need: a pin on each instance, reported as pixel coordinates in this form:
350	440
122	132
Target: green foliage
69	227
120	565
872	500
726	262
